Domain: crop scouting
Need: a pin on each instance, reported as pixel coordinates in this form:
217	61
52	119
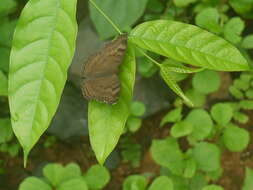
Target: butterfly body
100	79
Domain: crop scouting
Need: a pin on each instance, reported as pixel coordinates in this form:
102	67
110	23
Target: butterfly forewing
100	73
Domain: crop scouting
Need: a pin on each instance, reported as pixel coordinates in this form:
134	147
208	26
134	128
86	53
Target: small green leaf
190	168
249	94
198	98
124	14
161	182
165	74
188	44
240	117
247	42
73	184
215	175
179	68
133	124
209	19
6	133
248	181
182	128
167	153
233	29
138	109
222	113
183	3
206	81
135	182
236	139
54	173
236	92
34	183
41	53
246	104
213	187
207	156
97	177
197	182
202	123
172	116
71	171
106	122
3	84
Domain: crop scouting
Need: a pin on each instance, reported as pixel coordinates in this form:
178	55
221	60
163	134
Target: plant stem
150	58
106	17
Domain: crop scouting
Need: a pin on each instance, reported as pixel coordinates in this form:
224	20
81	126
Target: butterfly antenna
106	17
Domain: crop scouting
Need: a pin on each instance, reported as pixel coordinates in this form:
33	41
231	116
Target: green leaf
41	54
73	184
183	3
133	124
190	168
145	67
97	177
246	104
236	139
247	42
209	19
196	97
240	117
71	171
3	84
34	183
161	182
54	173
206	81
138	109
124	14
179	68
172	116
6	133
7	7
222	113
202	123
167	153
236	92
207	156
213	187
233	29
135	182
248	181
165	74
181	129
188	44
106	122
198	182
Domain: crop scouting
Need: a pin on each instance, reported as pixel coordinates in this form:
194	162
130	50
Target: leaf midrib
37	98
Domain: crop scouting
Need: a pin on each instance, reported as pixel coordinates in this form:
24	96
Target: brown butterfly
100	79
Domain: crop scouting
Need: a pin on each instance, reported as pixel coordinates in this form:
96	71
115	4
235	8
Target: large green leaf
106	122
43	47
123	13
188	44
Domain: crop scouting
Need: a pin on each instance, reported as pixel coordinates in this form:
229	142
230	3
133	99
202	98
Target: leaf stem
106	17
150	58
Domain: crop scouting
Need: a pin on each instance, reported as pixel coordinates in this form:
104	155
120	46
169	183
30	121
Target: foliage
162	39
68	177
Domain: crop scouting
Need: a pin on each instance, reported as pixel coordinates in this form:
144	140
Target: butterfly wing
104	89
100	72
108	59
